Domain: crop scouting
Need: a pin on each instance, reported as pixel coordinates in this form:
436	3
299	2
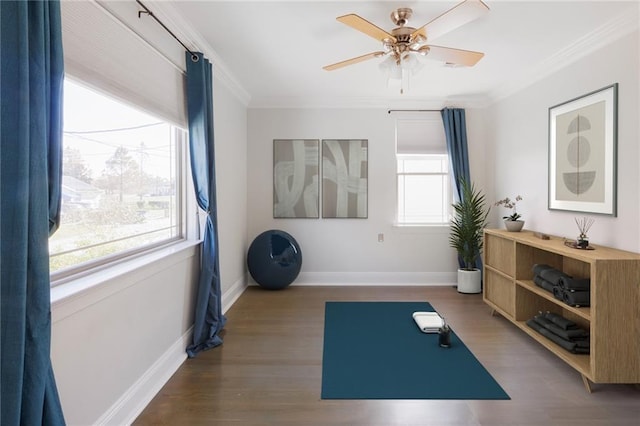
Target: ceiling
276	50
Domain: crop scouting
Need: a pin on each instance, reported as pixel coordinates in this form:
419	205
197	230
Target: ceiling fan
404	40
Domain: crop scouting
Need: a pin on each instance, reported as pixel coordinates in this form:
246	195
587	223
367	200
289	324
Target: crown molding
170	15
604	35
407	102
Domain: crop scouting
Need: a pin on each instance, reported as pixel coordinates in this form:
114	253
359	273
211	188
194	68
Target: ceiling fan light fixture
399	68
411	63
418	38
424	50
388	64
396	73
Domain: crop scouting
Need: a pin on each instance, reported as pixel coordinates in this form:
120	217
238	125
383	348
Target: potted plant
469	220
512	222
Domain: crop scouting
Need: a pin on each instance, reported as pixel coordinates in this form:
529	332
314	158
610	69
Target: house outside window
423	178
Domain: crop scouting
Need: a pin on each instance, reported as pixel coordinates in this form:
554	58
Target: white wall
111	344
116	344
346	251
519	142
231	175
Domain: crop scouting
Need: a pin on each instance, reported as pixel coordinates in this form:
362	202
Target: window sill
112	279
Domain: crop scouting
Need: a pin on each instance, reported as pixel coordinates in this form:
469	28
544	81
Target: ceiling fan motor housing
405	40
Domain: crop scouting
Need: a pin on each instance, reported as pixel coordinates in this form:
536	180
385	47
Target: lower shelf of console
580	362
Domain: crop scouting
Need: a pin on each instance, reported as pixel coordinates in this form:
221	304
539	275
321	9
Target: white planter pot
469	282
514	225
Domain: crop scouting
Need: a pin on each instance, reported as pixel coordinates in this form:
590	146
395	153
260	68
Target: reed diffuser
584	225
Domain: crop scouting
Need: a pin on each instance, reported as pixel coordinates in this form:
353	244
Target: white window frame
447	188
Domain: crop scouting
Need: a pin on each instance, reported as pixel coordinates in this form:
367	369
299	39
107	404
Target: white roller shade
423	135
103	52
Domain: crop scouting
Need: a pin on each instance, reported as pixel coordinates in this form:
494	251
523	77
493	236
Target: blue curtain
31	77
209	320
455	129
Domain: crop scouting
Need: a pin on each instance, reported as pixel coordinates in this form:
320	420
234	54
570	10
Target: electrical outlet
381	238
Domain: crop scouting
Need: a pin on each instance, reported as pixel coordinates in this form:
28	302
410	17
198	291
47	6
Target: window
423	189
423	179
121	184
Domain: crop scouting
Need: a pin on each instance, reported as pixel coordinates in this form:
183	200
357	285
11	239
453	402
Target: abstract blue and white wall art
344	178
295	178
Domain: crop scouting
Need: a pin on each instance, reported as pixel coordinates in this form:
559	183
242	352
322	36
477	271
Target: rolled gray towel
558	293
553	275
537	268
542	283
559	320
577	284
577	298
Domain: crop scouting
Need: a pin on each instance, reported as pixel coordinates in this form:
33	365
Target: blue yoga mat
374	350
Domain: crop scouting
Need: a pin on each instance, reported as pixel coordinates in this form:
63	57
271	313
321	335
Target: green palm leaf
469	220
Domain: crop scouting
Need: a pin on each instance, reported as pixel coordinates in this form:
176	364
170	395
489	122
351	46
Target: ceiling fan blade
353	60
449	55
362	25
457	16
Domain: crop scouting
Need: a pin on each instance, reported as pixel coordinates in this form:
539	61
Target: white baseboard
230	296
377	278
137	397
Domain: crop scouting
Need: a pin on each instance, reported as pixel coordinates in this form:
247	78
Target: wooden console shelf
613	320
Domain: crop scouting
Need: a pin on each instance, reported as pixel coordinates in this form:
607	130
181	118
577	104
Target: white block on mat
428	322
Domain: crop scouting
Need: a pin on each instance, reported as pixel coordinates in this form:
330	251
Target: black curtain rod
413	110
146	10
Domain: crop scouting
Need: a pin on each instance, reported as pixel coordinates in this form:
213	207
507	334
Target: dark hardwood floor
269	370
